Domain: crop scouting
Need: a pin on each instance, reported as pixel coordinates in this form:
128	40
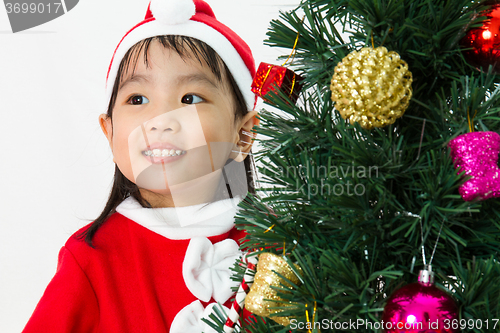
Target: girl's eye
138	100
191	99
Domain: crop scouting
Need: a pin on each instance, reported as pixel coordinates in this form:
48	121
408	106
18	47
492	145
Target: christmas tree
364	196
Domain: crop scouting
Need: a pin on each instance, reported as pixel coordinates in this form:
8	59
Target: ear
107	129
246	137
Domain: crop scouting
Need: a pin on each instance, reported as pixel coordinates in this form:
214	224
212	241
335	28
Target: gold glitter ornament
372	87
261	287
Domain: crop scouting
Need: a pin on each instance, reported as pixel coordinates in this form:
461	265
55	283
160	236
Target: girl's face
173	129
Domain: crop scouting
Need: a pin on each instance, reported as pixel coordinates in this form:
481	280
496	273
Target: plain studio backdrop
56	165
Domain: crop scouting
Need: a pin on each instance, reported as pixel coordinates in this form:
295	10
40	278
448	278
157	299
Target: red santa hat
190	18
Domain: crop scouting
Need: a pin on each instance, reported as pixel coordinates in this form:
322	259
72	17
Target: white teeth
164	152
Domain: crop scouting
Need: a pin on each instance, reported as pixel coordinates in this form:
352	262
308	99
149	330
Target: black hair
122	187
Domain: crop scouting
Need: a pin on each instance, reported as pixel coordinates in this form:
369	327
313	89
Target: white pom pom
172	11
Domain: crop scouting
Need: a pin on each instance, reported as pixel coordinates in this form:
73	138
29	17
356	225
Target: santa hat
190	18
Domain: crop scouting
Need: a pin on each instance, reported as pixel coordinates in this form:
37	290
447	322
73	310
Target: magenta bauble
485	40
420	308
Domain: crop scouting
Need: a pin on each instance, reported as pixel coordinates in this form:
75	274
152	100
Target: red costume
138	280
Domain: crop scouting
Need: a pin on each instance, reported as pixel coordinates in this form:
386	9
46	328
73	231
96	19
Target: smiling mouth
163	152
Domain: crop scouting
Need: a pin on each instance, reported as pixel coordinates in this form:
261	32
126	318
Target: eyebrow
180	80
135	78
196	77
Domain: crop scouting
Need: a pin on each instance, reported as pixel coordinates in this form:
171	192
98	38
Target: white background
56	166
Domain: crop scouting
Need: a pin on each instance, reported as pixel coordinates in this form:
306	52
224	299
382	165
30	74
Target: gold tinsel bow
256	300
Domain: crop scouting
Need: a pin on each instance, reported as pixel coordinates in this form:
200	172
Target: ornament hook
435	245
426	275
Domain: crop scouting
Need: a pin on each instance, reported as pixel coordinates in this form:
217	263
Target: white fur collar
183	222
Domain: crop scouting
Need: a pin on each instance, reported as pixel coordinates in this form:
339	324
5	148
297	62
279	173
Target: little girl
179	121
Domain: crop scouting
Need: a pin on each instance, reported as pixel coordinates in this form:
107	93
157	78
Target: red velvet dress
137	279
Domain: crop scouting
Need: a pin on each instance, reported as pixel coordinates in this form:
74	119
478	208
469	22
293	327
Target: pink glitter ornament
420	308
476	153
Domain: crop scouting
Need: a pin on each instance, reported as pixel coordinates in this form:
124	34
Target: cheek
218	129
125	145
121	134
220	139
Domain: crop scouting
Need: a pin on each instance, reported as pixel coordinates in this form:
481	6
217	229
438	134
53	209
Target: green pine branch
351	206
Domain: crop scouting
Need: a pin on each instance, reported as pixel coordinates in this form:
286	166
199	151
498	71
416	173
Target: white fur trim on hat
172	11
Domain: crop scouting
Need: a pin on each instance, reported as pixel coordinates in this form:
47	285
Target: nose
166	122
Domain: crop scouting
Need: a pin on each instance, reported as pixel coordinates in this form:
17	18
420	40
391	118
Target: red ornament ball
420	308
485	41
